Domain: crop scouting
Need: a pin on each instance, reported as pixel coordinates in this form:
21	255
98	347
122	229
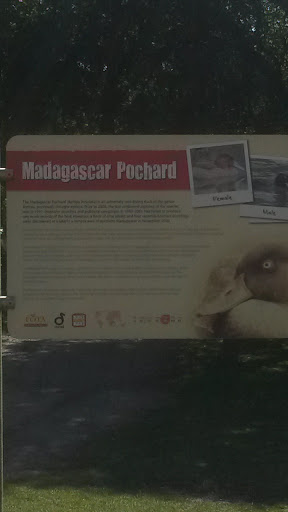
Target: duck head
261	274
281	180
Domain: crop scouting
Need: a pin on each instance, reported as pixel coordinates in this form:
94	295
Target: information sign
148	236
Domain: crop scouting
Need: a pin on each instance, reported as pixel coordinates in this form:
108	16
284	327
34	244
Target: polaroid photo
220	173
270	187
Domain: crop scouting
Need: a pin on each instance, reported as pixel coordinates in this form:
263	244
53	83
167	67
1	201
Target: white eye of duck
268	264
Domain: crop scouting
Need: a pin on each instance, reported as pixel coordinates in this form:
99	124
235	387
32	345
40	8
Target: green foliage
143	66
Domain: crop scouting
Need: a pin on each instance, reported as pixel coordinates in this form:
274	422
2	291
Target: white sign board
141	237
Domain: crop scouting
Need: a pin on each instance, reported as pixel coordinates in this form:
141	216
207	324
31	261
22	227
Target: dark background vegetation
143	66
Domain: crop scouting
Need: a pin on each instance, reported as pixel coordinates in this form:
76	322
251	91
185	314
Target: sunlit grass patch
43	494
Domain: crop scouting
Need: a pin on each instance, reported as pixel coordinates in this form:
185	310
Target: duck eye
268	265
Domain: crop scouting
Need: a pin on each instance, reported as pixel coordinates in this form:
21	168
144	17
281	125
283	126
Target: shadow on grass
224	433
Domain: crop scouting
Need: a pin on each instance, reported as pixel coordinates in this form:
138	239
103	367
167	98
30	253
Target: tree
143	66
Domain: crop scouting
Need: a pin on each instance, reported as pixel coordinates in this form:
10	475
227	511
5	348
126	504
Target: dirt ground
57	394
194	417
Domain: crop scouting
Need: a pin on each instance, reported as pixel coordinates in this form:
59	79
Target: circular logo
59	320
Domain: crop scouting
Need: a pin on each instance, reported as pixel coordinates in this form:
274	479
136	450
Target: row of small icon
36	320
78	320
111	318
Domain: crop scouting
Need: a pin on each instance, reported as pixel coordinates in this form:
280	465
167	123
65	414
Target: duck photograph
219	168
246	296
270	180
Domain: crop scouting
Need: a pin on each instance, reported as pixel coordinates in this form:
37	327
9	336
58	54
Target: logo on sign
59	321
165	319
112	318
79	320
35	320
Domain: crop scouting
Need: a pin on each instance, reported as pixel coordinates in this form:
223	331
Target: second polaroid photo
220	174
270	186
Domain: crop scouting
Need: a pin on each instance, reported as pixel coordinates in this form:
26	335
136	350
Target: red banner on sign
98	170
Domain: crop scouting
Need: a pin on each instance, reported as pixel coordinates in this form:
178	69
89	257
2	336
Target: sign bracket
6	174
7	302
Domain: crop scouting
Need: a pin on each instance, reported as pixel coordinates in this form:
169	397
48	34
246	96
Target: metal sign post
1	415
5	303
3	171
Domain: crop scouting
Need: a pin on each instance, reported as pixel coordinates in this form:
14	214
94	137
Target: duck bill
236	293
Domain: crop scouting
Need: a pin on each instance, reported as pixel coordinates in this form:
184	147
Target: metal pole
1	418
5	174
1	379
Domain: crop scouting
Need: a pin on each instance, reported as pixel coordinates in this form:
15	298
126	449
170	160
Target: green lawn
34	497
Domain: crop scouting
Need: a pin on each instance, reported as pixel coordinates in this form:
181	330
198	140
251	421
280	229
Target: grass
34	497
